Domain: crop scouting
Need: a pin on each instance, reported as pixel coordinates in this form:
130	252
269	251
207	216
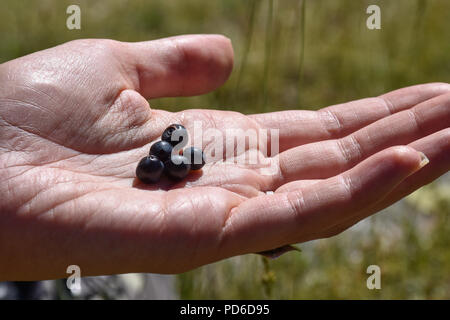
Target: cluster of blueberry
160	159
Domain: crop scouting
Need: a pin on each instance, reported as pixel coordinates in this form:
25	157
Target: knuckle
445	139
297	203
350	188
331	122
351	150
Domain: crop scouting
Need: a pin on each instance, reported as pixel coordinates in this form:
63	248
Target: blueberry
177	167
196	157
162	150
176	135
149	169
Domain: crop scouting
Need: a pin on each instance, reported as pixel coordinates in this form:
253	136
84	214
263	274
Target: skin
75	121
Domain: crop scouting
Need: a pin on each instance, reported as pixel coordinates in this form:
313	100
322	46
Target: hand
74	122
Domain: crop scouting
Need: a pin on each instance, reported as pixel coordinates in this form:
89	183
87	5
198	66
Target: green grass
292	54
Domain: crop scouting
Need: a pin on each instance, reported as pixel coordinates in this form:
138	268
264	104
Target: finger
179	66
437	149
328	158
301	127
271	221
295	185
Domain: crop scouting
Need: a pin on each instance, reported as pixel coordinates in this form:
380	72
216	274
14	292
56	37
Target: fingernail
423	160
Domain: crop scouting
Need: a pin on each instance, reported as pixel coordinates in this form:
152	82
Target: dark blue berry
162	150
176	135
177	167
149	169
196	157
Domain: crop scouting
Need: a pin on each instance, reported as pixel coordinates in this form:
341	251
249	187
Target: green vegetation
292	54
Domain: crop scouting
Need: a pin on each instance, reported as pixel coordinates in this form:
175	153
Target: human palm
74	122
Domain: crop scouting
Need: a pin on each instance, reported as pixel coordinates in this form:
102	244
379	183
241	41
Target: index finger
297	127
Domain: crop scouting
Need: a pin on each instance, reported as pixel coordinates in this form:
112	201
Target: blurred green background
292	54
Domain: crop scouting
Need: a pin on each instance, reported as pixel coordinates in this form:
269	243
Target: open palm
74	122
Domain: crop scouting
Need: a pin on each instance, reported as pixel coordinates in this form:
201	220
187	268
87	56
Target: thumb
179	66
